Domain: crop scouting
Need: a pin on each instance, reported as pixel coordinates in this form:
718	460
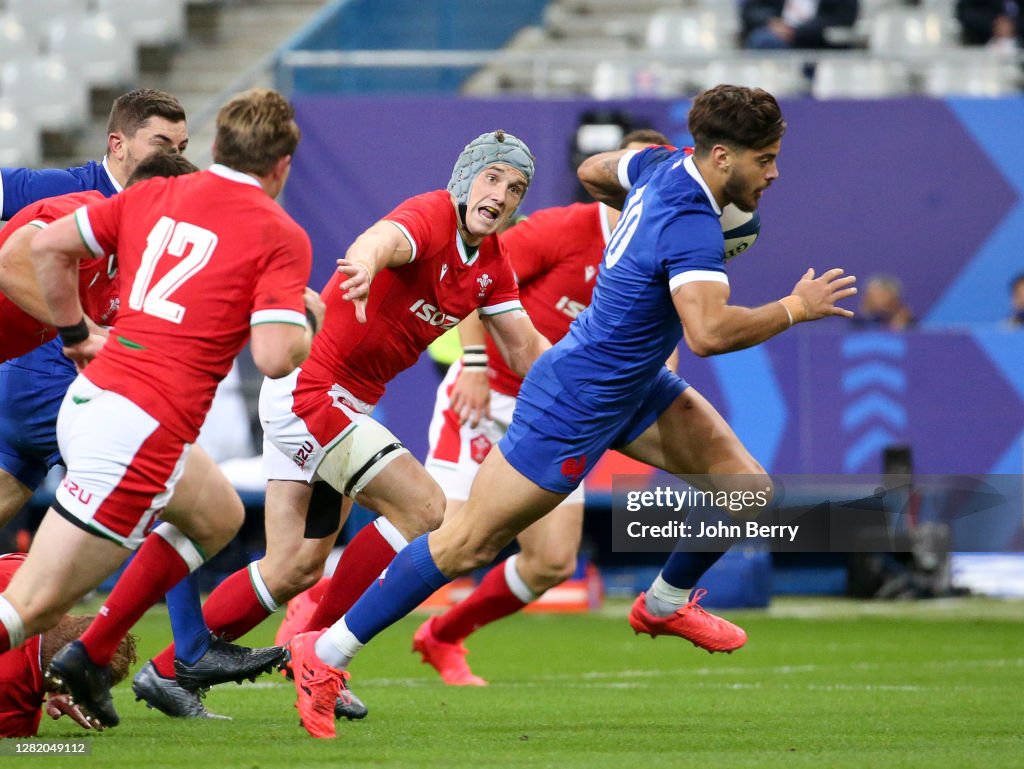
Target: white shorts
324	433
457	451
122	464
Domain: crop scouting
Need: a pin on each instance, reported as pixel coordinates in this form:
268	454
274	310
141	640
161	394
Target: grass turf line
904	687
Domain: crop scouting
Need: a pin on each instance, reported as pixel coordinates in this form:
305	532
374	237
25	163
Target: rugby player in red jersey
23	689
207	260
414	274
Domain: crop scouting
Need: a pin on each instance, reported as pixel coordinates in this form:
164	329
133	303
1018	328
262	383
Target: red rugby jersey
20	333
555	254
202	258
21	680
411	305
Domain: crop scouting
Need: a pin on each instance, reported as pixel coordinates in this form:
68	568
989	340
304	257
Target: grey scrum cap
486	150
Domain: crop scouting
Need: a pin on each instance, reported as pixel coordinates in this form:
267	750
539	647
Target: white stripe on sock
515	583
182	545
261	589
391	535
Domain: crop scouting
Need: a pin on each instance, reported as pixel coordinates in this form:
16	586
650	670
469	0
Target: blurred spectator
772	24
1016	319
997	24
882	306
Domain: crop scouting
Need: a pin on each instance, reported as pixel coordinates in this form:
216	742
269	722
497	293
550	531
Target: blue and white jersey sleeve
634	163
690	249
20	187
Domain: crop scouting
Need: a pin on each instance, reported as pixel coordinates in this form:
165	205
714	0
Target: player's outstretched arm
712	326
518	341
381	246
471	391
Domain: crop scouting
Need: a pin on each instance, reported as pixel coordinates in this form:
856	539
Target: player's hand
357	287
82	353
315	305
471	396
58	705
95	328
820	295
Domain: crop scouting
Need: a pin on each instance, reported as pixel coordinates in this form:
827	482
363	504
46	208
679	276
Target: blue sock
410	579
191	635
684	568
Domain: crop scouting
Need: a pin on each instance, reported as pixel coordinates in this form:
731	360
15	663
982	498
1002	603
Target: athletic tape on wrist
72	335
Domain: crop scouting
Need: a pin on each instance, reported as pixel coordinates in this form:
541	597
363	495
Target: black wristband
72	335
311	320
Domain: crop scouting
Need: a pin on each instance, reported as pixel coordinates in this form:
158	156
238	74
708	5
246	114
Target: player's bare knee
423	513
286	578
546	570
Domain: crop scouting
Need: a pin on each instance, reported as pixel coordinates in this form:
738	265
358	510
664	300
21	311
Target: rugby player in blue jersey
605	385
141	123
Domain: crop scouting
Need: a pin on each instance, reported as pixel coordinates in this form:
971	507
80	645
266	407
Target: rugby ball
740	229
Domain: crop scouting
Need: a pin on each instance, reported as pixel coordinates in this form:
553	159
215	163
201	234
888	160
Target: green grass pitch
819	684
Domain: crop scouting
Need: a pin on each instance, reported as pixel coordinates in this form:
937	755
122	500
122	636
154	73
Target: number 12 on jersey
169	238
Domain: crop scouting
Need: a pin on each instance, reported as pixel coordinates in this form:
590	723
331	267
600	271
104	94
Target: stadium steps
226	39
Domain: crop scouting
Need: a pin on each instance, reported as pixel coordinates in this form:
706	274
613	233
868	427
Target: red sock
491	601
231	611
362	561
156	568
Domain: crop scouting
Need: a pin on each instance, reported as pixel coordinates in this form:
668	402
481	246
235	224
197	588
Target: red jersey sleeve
425	220
282	280
98	223
527	246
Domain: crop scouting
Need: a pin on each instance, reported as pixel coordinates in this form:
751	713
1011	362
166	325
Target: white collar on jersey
232	175
468	253
117	185
691	169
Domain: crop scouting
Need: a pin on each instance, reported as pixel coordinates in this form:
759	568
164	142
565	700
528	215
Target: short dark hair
161	163
739	117
643	136
255	129
131	110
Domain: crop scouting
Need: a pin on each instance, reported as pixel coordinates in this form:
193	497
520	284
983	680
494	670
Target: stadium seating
94	47
782	76
693	30
44	90
980	75
148	22
857	78
19	139
37	15
15	40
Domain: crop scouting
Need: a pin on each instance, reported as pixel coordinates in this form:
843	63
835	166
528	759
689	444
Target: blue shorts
555	439
31	390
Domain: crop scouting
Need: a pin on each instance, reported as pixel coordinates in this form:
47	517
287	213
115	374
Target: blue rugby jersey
669	234
21	186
